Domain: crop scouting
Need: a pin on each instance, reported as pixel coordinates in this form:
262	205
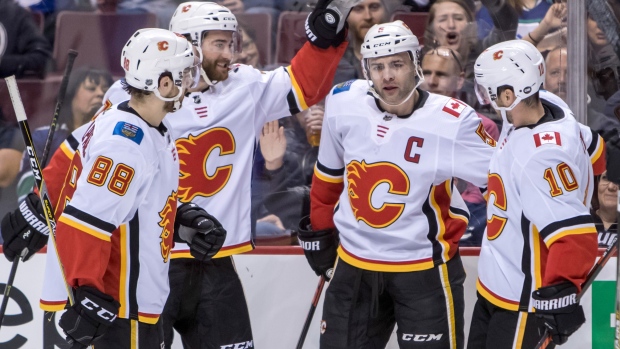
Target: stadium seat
416	21
261	24
98	37
291	35
38	96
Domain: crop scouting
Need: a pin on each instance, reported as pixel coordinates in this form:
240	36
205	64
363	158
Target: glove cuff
556	299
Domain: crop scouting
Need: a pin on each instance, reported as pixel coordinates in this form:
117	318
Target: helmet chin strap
176	99
503	110
204	76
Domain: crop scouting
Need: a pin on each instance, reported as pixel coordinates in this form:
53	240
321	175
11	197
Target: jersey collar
124	106
552	113
422	97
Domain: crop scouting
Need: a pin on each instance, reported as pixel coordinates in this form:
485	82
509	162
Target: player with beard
383	183
214	137
216	146
116	261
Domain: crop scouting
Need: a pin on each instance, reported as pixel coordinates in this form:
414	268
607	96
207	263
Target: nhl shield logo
197	99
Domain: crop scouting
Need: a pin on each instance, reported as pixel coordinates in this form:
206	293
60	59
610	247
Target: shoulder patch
543	138
127	130
454	107
343	86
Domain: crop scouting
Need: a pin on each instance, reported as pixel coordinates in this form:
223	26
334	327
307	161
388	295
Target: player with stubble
383	187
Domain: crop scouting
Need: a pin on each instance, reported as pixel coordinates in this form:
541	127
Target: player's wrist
275	164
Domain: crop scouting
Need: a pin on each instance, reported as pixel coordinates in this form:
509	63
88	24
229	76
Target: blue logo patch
128	130
343	86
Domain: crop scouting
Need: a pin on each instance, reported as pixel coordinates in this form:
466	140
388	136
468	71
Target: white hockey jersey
540	186
396	212
129	181
217	142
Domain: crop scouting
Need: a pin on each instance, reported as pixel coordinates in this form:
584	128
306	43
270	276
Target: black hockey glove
319	247
613	158
325	25
89	318
24	230
557	306
203	233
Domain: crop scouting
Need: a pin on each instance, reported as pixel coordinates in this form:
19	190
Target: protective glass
482	94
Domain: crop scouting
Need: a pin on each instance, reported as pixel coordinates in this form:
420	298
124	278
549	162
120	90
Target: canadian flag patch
454	107
543	138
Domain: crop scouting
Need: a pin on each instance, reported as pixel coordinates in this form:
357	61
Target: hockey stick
20	112
7	289
315	301
50	135
62	91
600	264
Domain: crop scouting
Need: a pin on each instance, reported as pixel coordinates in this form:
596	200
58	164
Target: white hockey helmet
388	39
151	52
516	63
195	17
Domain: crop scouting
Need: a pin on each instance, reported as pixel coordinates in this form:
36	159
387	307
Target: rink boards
279	287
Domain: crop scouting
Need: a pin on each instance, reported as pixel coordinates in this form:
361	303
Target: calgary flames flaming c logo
193	155
363	179
167	215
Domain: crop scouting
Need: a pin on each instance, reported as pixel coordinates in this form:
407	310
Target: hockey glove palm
89	318
320	248
325	24
203	233
24	230
559	309
613	158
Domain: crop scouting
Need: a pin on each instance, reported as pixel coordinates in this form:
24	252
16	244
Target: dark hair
78	77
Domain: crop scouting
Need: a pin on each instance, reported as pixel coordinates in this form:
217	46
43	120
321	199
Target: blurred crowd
34	39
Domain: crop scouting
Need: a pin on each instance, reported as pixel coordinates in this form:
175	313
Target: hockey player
540	184
116	260
383	182
227	115
216	146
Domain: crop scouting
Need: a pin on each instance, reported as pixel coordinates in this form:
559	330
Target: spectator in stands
249	52
605	209
11	147
451	24
363	16
443	74
548	32
84	97
51	8
555	82
26	51
531	14
603	62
